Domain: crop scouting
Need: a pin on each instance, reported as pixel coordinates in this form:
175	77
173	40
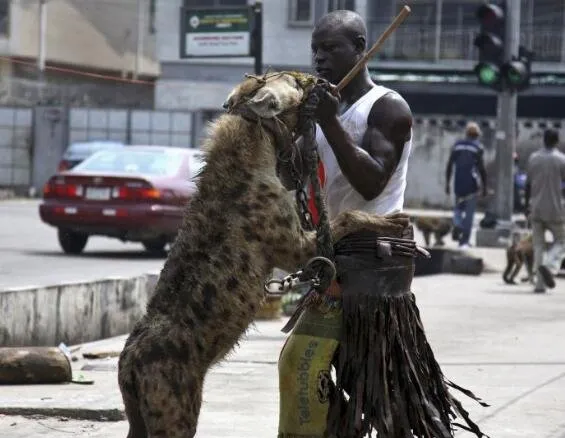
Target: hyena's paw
353	221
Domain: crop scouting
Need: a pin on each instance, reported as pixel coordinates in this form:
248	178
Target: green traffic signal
490	43
517	74
488	74
517	71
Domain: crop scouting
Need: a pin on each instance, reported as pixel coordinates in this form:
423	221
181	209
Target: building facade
82	39
430	55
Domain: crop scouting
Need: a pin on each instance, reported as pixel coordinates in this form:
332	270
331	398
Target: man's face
333	53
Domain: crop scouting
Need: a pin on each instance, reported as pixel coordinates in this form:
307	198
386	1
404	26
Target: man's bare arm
483	172
368	168
448	170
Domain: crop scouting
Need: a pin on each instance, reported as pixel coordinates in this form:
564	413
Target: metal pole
562	38
506	127
139	36
437	48
42	42
258	35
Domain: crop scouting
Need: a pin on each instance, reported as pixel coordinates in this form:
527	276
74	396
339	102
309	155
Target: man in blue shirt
467	159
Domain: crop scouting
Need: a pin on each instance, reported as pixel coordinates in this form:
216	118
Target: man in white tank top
364	142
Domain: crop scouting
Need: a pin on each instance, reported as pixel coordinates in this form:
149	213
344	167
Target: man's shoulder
389	96
560	154
535	155
536	158
390	105
467	144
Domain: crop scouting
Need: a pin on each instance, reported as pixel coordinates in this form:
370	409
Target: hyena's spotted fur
239	226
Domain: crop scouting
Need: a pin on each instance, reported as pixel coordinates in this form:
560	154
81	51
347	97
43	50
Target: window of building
459	14
214	3
334	5
4	17
301	13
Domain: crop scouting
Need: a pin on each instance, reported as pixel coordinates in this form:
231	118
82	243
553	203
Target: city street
449	110
502	342
26	242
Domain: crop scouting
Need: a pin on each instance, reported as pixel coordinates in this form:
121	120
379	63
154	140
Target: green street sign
215	32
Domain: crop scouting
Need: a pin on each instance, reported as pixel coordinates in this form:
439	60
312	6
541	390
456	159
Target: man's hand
328	107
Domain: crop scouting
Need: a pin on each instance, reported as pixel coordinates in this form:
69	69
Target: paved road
30	254
504	343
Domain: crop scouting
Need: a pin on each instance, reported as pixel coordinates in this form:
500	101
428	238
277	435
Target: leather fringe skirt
388	379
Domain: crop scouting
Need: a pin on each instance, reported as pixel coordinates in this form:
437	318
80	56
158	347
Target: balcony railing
433	43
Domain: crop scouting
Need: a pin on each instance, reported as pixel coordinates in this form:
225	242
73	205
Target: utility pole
506	129
42	36
140	34
257	36
437	45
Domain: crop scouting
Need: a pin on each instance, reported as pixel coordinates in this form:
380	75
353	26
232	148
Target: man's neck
358	86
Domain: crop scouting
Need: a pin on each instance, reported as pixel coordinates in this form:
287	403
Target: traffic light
490	42
516	72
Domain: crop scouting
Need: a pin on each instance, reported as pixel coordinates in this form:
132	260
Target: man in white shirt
367	324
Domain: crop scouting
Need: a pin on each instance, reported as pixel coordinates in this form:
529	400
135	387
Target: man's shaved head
348	22
338	42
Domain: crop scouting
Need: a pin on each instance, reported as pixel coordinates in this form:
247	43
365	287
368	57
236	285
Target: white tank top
339	194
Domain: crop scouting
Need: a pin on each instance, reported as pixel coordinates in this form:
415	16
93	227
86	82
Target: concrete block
443	261
492	238
73	313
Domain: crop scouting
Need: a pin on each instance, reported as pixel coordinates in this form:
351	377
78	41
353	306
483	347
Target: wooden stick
363	61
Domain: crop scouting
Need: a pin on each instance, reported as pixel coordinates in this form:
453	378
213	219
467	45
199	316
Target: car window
157	163
82	150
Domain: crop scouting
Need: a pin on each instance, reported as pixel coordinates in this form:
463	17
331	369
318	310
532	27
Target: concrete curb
73	414
73	313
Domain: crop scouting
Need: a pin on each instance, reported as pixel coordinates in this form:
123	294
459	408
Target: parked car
77	152
137	193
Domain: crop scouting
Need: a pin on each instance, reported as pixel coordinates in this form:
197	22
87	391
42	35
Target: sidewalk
502	342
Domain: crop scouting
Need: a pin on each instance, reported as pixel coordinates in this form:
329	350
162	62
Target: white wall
91	33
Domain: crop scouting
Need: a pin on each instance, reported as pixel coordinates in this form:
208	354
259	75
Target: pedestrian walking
545	208
470	178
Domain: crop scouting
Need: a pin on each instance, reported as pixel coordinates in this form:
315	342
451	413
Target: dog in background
521	250
438	226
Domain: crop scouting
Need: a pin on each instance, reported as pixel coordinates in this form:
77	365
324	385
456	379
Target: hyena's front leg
299	246
355	221
294	251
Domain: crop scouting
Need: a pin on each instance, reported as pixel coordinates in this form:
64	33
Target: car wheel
155	246
72	242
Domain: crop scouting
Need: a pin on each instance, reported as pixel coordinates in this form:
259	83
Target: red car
134	193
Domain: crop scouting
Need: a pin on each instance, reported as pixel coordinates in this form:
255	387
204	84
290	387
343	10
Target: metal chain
319	271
